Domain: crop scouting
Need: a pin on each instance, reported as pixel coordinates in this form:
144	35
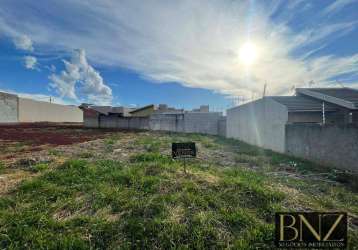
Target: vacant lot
122	190
23	138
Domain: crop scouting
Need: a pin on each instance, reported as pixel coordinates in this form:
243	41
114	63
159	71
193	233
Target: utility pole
323	114
293	88
264	93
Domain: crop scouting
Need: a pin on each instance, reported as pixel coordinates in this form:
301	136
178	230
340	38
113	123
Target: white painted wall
37	111
261	123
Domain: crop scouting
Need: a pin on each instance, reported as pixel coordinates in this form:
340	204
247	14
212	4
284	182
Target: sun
248	54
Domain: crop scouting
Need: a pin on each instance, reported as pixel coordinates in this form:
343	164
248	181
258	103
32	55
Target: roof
7	94
142	108
301	104
107	109
344	97
101	109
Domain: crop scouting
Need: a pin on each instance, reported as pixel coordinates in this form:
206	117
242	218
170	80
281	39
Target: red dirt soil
38	134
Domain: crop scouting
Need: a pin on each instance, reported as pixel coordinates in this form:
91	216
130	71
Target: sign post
183	150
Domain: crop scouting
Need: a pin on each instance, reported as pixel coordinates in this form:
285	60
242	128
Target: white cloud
23	42
195	43
78	72
30	62
337	5
51	68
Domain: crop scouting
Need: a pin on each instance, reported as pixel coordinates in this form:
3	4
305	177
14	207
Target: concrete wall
90	118
206	123
260	123
222	127
167	122
123	122
8	108
36	111
193	122
328	145
91	122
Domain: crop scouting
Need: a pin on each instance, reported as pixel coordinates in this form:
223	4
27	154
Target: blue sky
183	53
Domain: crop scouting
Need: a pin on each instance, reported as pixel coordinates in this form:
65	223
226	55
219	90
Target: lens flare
248	54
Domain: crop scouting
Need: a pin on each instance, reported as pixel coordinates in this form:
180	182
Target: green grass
39	167
54	152
149	203
2	167
85	155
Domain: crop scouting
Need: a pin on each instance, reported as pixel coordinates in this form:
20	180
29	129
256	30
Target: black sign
311	230
183	150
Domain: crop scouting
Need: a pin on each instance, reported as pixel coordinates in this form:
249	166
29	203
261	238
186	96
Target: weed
2	167
85	155
109	141
54	152
39	167
150	157
109	144
152	147
253	161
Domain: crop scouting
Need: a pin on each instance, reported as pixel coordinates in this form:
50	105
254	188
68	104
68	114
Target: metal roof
142	108
101	109
345	97
8	94
301	104
107	109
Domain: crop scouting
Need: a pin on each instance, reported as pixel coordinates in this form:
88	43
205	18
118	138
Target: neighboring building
145	111
203	108
15	109
344	100
103	116
263	122
260	123
148	110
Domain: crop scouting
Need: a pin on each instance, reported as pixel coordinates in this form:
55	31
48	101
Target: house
263	122
103	116
202	108
145	111
344	100
14	109
149	110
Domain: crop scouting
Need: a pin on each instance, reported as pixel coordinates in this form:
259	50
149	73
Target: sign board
183	150
311	230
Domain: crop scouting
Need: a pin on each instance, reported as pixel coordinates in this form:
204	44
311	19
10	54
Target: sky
182	53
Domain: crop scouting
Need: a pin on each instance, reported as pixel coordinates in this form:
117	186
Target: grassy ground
125	194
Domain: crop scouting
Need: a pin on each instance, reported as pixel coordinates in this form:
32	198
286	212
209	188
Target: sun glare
248	54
